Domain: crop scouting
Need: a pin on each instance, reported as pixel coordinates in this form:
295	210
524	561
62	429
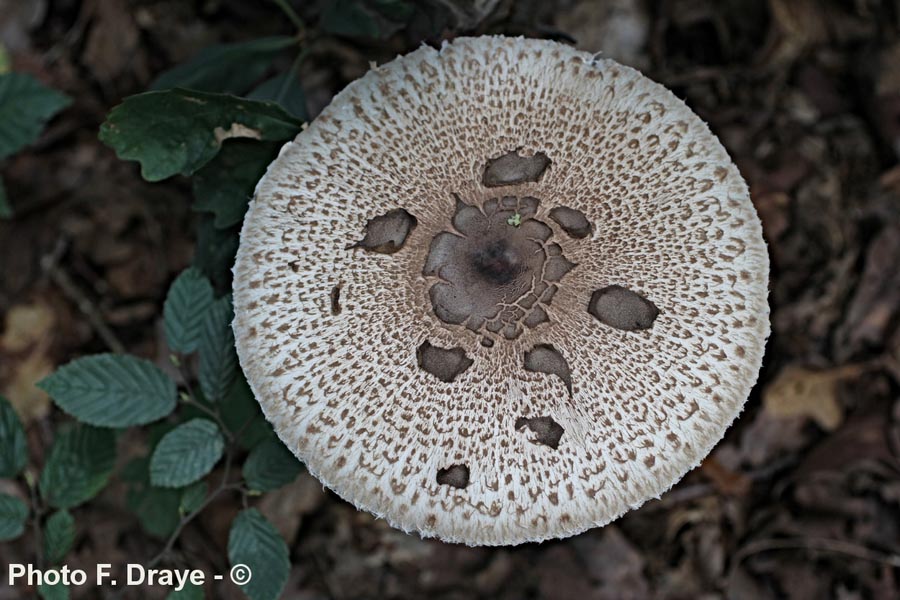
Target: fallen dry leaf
797	391
112	44
872	312
26	325
725	480
24	347
236	130
286	506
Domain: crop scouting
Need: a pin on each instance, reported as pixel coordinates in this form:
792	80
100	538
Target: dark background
802	497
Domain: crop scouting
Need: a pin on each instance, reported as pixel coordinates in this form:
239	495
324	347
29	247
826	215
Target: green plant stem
192	400
292	15
222	487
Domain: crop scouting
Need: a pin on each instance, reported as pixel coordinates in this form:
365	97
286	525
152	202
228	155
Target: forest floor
802	497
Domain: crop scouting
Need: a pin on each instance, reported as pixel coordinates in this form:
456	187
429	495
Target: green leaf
186	453
179	131
6	211
253	542
25	107
192	497
54	592
13	452
285	91
189	297
270	466
225	185
364	18
156	508
188	592
59	535
109	390
80	462
218	361
215	251
241	413
226	68
13	513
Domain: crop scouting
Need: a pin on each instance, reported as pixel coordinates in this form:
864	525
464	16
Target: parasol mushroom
501	292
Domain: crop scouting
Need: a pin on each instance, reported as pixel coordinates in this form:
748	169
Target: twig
821	544
191	400
222	487
37	511
50	266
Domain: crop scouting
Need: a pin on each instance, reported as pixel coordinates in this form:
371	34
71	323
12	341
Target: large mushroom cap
502	291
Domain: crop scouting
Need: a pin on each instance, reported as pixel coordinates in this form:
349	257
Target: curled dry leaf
801	392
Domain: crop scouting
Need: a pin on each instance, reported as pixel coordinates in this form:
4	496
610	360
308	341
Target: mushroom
501	292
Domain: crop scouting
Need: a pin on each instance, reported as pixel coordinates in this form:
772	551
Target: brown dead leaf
726	481
807	393
236	131
112	44
613	562
24	347
285	507
25	326
797	25
876	301
29	401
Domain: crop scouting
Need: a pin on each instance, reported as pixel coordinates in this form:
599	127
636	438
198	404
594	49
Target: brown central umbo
497	270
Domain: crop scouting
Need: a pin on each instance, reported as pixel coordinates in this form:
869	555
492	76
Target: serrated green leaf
285	91
54	592
59	535
25	107
109	390
80	462
192	497
218	361
226	68
269	466
179	131
189	297
186	453
225	185
188	592
254	542
13	451
6	211
156	508
241	413
13	513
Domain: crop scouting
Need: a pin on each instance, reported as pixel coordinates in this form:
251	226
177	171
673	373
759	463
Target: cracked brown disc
501	292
